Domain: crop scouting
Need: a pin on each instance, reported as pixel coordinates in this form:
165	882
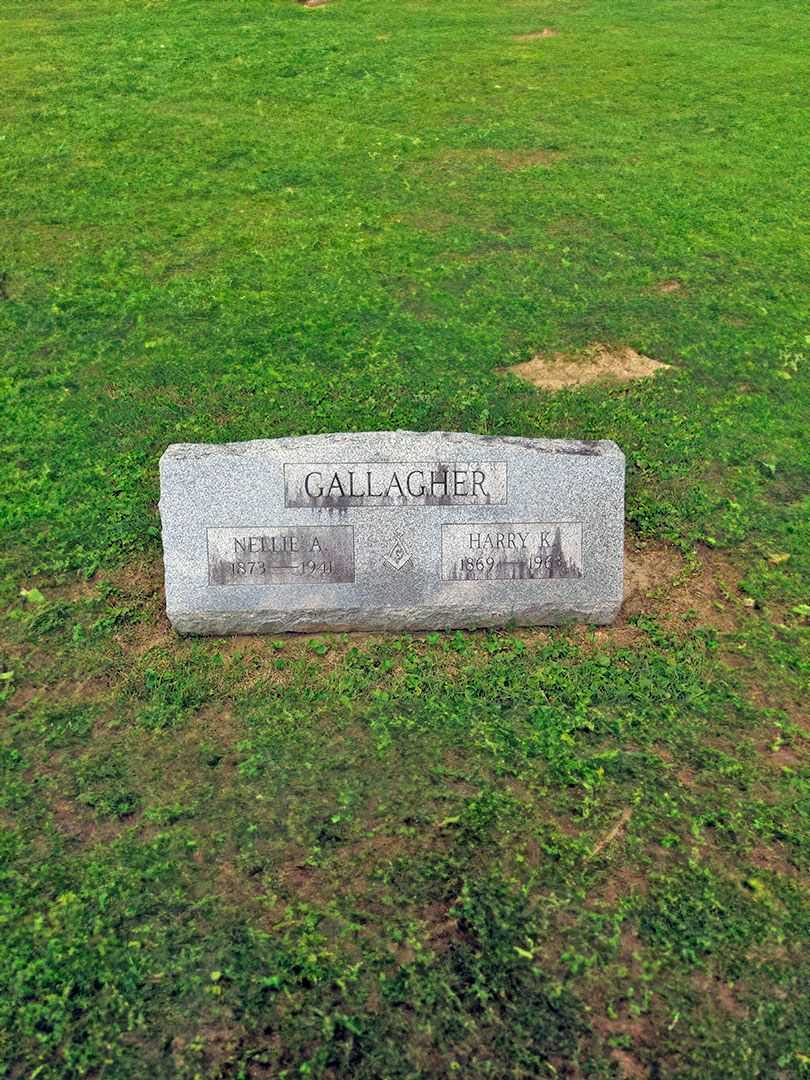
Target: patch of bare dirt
23	696
686	777
79	825
773	859
144	586
143	577
140	583
215	1045
649	569
300	882
659	582
535	35
313	3
72	821
623	881
779	697
781	757
441	929
597	363
149	635
236	886
671	286
636	1030
631	1068
720	994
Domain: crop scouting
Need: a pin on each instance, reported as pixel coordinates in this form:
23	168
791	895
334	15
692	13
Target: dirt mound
670	286
598	363
535	35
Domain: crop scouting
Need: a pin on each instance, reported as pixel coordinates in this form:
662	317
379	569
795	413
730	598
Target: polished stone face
393	530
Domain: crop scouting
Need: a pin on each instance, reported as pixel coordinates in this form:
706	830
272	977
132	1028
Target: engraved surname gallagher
416	483
395	483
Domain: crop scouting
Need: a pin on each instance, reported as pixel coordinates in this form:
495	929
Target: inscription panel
281	555
395	483
512	551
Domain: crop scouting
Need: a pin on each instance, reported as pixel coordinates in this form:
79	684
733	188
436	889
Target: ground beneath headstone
597	363
658	581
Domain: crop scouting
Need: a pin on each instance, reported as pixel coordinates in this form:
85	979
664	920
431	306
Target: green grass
565	853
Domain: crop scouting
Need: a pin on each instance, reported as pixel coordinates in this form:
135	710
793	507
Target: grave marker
391	531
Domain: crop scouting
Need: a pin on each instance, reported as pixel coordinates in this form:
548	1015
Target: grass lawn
567	853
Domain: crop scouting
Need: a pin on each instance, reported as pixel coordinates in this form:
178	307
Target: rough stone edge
578	447
217	624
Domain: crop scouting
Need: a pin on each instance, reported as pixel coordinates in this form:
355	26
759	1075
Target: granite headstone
392	530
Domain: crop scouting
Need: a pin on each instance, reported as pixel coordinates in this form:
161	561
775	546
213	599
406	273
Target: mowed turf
568	853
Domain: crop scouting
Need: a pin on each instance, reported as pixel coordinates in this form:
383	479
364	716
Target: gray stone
392	530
